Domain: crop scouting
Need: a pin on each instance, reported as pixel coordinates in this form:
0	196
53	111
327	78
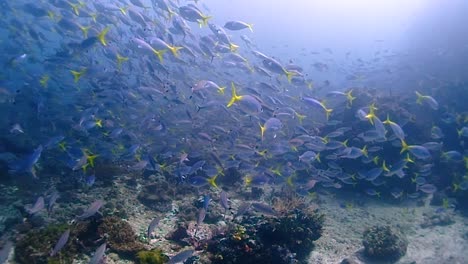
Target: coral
296	231
154	256
287	239
157	196
384	243
288	200
35	246
120	236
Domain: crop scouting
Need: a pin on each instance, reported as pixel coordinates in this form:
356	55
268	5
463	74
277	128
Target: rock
384	243
438	219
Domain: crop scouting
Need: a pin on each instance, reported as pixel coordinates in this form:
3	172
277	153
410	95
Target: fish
181	257
201	216
238	25
372	192
52	201
427	100
26	164
419	152
243	208
98	254
151	227
428	188
5	251
264	209
91	210
224	201
38	206
60	243
308	156
397	131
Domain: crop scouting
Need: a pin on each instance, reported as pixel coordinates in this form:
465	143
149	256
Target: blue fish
90	179
26	165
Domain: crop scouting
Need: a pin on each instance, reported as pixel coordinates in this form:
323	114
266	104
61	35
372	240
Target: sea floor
347	216
431	244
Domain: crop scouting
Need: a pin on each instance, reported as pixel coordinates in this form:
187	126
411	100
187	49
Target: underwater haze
216	131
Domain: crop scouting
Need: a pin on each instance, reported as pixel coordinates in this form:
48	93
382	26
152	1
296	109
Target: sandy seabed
344	227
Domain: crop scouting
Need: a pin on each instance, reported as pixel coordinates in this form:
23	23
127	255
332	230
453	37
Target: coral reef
35	246
286	239
120	236
157	196
384	243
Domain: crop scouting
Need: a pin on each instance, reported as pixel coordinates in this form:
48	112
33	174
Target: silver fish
60	243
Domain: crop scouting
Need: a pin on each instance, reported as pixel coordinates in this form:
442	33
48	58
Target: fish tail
328	112
289	75
420	97
76	8
404	146
221	89
387	121
102	36
212	181
234	97
77	75
350	97
262	130
171	13
384	167
174	50
250	26
204	21
85	30
233	47
364	151
159	53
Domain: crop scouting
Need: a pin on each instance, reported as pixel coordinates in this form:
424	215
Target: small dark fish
5	252
264	209
196	167
243	208
116	132
206	201
87	43
198	181
38	206
51	143
60	243
201	216
98	255
152	226
92	209
90	180
141	165
428	188
224	200
26	164
52	199
181	257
